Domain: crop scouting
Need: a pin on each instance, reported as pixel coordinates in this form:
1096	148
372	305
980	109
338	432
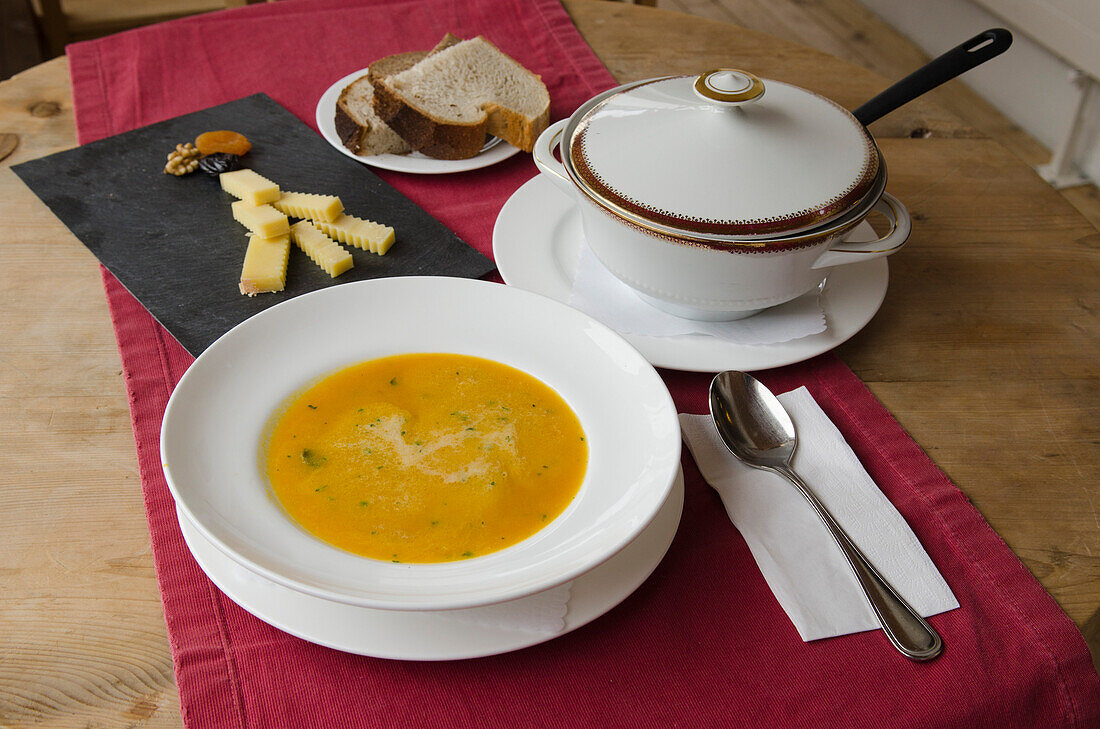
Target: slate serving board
173	243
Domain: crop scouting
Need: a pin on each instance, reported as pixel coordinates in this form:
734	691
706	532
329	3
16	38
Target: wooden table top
985	350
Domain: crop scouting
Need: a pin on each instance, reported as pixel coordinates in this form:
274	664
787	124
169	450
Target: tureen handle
545	160
849	252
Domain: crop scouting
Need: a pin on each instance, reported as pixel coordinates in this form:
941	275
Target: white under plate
413	162
536	244
435	635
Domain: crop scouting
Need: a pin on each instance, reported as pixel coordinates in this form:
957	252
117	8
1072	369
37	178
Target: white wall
1028	84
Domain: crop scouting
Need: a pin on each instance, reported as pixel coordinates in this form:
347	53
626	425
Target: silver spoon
756	429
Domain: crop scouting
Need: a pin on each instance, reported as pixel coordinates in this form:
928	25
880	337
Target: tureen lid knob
729	87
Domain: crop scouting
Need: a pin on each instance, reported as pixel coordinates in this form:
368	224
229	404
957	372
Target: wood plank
83	628
848	30
964	342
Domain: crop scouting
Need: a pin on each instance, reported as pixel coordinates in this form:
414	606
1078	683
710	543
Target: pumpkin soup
426	457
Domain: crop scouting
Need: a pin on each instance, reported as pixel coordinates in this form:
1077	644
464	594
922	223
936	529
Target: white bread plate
495	150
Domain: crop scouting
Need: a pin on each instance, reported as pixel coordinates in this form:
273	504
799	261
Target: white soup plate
213	434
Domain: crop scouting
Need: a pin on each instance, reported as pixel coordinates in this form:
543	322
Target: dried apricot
223	141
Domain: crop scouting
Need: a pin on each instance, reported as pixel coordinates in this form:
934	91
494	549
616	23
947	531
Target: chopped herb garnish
311	407
393	381
312	458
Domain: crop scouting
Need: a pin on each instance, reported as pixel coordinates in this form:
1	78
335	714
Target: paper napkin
543	612
803	566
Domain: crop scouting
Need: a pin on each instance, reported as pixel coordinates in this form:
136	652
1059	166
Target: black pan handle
959	59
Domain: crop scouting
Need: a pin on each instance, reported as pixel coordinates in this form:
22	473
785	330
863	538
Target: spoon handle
907	630
959	59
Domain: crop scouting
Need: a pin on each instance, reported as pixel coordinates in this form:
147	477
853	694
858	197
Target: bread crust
351	132
395	64
516	128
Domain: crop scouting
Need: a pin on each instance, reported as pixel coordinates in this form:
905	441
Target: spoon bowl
753	423
758	430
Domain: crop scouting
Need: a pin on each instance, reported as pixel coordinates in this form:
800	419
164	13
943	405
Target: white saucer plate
536	245
413	162
433	635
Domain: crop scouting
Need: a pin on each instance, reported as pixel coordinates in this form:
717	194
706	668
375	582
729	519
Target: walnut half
184	160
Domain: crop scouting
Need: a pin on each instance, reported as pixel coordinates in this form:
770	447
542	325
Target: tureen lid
722	155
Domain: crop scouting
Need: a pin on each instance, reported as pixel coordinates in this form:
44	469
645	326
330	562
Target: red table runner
702	642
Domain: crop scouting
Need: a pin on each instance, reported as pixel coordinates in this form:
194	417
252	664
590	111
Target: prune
219	162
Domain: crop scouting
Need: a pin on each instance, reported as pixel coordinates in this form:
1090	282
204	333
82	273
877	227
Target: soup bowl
718	195
218	417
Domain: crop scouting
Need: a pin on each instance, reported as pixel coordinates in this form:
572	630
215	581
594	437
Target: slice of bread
397	63
359	128
445	105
